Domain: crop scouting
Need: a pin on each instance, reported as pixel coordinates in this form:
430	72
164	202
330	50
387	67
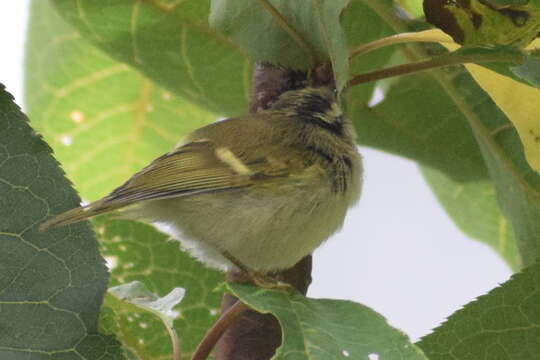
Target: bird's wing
196	167
199	166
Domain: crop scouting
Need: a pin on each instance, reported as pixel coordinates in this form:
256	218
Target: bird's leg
260	279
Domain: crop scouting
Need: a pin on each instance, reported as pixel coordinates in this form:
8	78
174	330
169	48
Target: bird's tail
81	213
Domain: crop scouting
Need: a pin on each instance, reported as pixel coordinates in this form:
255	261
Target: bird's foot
268	282
261	280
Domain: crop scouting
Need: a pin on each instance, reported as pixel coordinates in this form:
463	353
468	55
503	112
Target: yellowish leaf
520	102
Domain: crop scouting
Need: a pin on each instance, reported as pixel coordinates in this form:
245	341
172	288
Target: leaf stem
408	37
175	341
290	30
438	62
214	333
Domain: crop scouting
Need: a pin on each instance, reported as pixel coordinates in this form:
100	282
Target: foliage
52	284
111	86
500	325
139	253
328	329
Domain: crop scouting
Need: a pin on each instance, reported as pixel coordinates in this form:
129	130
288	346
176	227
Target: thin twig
441	61
403	38
214	333
290	30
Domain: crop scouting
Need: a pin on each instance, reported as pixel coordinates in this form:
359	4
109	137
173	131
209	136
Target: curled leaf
137	293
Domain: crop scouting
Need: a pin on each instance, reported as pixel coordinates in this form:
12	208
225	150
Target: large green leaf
439	136
104	120
504	324
316	22
171	43
473	207
51	284
518	186
452	94
417	120
510	61
138	252
328	329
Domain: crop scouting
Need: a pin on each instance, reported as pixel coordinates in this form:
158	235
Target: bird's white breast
265	228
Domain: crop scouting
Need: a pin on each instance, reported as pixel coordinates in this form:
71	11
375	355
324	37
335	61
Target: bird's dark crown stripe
335	128
320	152
316	104
315	109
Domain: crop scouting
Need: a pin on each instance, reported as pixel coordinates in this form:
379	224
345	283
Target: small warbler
259	191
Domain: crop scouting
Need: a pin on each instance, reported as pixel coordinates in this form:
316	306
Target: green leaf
417	120
504	324
473	207
439	137
316	21
455	98
117	121
328	329
501	4
529	70
51	284
138	252
518	186
104	120
414	7
169	42
519	103
522	66
476	23
136	293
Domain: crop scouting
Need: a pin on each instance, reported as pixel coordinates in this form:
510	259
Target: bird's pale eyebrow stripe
233	161
335	110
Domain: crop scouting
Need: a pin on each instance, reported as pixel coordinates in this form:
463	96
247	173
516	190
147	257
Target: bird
257	192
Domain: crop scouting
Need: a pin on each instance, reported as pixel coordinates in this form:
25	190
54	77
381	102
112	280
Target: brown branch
441	61
255	336
220	326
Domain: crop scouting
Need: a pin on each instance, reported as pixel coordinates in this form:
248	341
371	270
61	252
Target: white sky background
398	252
